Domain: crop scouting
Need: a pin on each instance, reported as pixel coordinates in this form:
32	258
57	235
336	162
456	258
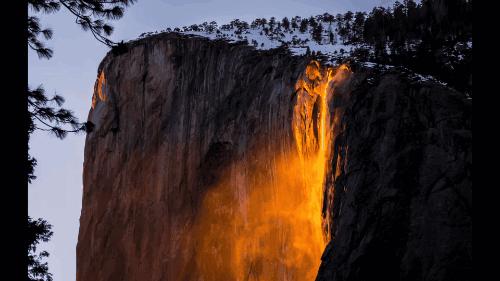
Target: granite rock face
170	117
173	115
399	196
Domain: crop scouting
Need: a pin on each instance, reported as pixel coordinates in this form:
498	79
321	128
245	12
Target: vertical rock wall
172	116
399	196
194	171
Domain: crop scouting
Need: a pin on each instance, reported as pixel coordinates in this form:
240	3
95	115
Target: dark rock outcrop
401	198
172	115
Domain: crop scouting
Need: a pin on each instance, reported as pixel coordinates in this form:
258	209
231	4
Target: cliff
400	190
215	161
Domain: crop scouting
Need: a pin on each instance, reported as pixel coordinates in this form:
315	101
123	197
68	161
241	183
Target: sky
56	194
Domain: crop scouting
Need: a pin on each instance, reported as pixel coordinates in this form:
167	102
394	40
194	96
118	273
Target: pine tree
272	22
317	34
303	25
348	17
47	114
358	25
285	23
263	22
328	18
312	22
294	22
38	231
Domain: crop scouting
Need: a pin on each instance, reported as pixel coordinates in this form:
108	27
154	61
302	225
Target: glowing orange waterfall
312	137
263	221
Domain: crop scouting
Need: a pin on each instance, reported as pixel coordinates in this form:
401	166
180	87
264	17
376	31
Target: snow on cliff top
321	35
267	35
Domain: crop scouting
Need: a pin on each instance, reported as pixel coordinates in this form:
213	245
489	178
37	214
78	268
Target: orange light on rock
264	222
99	89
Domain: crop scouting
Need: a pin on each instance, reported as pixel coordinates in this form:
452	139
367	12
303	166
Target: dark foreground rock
402	197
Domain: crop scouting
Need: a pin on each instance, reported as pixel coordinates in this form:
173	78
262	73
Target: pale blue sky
56	194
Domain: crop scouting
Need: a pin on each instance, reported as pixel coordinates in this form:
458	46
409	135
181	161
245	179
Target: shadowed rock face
175	116
400	191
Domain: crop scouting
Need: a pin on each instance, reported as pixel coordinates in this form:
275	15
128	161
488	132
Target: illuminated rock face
192	171
211	161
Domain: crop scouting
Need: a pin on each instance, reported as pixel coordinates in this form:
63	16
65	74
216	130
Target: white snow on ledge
264	36
411	74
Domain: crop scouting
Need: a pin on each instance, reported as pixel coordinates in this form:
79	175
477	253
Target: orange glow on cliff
99	89
263	220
